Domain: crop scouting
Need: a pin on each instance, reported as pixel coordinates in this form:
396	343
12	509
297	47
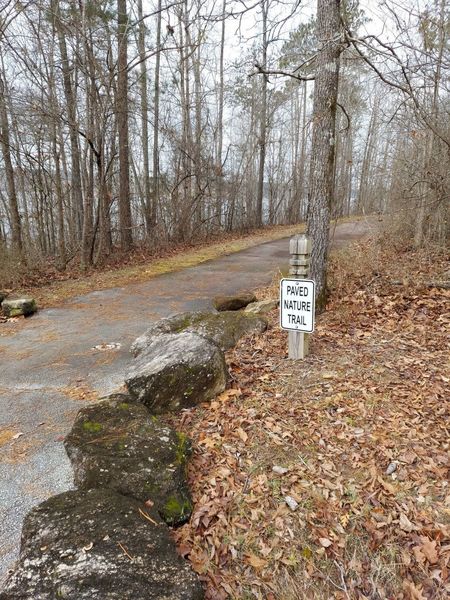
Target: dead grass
52	288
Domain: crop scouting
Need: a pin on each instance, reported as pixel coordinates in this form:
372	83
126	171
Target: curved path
49	366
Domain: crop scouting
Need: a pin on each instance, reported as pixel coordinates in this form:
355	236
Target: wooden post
300	251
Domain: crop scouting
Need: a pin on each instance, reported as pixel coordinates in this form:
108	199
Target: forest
165	432
131	123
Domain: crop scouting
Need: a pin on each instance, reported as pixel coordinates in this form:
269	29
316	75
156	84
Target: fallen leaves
405	523
255	561
426	550
356	437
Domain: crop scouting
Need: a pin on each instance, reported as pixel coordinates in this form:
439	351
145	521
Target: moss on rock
175	509
92	427
177	371
236	302
15	307
224	328
136	455
98	545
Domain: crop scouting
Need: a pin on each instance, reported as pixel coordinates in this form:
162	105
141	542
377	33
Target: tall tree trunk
426	190
16	228
155	169
262	121
199	179
219	150
144	120
321	177
77	195
122	127
365	187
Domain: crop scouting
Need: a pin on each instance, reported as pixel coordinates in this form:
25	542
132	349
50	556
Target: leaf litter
373	393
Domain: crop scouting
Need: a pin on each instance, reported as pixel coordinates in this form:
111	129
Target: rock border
47	566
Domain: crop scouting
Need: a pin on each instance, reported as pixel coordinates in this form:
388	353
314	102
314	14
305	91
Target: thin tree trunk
122	127
155	170
144	121
77	195
219	151
262	121
16	228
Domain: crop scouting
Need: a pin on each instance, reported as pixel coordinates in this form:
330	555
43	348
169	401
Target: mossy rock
173	324
82	545
262	307
16	307
236	302
117	444
227	328
177	371
224	328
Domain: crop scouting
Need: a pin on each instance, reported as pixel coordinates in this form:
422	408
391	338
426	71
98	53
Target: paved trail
49	360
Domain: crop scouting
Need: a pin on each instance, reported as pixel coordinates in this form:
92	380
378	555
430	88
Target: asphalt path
62	358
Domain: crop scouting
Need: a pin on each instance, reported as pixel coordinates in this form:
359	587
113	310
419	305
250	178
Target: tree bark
144	120
262	121
321	178
122	127
16	228
219	150
71	102
155	169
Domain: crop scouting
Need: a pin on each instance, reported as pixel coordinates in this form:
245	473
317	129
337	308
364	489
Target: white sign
297	304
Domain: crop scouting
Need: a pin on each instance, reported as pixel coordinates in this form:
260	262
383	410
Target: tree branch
261	71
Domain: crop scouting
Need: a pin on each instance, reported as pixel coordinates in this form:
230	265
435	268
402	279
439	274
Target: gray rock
173	324
233	302
117	444
177	371
261	307
96	544
3	295
19	306
224	328
227	328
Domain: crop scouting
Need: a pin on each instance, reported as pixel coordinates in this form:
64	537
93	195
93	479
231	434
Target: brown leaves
255	561
426	550
323	432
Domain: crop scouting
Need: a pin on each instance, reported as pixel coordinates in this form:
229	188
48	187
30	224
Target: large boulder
224	328
173	324
177	371
15	307
82	545
117	444
227	328
235	302
262	307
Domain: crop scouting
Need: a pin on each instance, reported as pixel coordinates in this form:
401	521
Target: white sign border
313	304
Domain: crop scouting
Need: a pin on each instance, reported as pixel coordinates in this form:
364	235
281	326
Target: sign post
297	298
